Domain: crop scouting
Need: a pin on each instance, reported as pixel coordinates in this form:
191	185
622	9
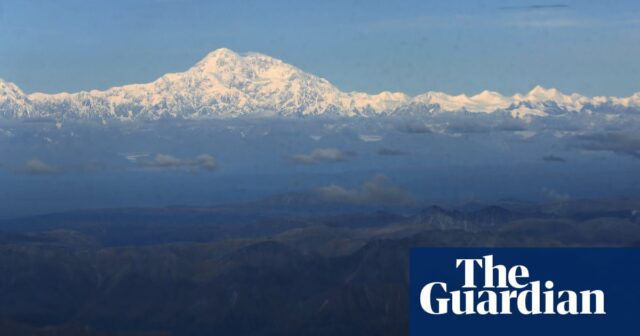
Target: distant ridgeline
226	85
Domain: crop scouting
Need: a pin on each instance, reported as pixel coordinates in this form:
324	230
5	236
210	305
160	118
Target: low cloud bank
322	155
37	167
376	190
204	162
391	152
553	158
627	143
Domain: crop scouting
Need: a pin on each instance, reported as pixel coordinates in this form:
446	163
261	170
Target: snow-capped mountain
226	85
13	102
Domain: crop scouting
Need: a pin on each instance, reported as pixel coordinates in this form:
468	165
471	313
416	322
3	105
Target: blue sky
591	47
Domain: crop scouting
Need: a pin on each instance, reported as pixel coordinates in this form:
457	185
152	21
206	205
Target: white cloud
322	155
548	23
376	190
165	161
369	138
556	196
37	167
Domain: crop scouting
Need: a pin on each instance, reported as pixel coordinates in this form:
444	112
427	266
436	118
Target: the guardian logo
494	289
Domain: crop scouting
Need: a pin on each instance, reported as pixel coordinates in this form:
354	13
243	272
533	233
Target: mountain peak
222	53
10	91
224	50
13	102
218	59
6	86
541	92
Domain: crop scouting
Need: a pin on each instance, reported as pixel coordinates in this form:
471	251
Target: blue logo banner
525	291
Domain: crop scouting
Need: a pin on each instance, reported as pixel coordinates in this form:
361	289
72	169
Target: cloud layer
37	167
627	143
203	162
553	158
390	152
376	190
322	155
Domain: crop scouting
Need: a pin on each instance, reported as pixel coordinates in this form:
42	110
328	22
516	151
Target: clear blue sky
591	47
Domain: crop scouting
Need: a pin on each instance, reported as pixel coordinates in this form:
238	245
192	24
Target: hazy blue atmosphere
589	47
384	162
197	168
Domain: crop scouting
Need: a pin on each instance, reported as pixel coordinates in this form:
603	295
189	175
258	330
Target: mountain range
226	84
269	267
